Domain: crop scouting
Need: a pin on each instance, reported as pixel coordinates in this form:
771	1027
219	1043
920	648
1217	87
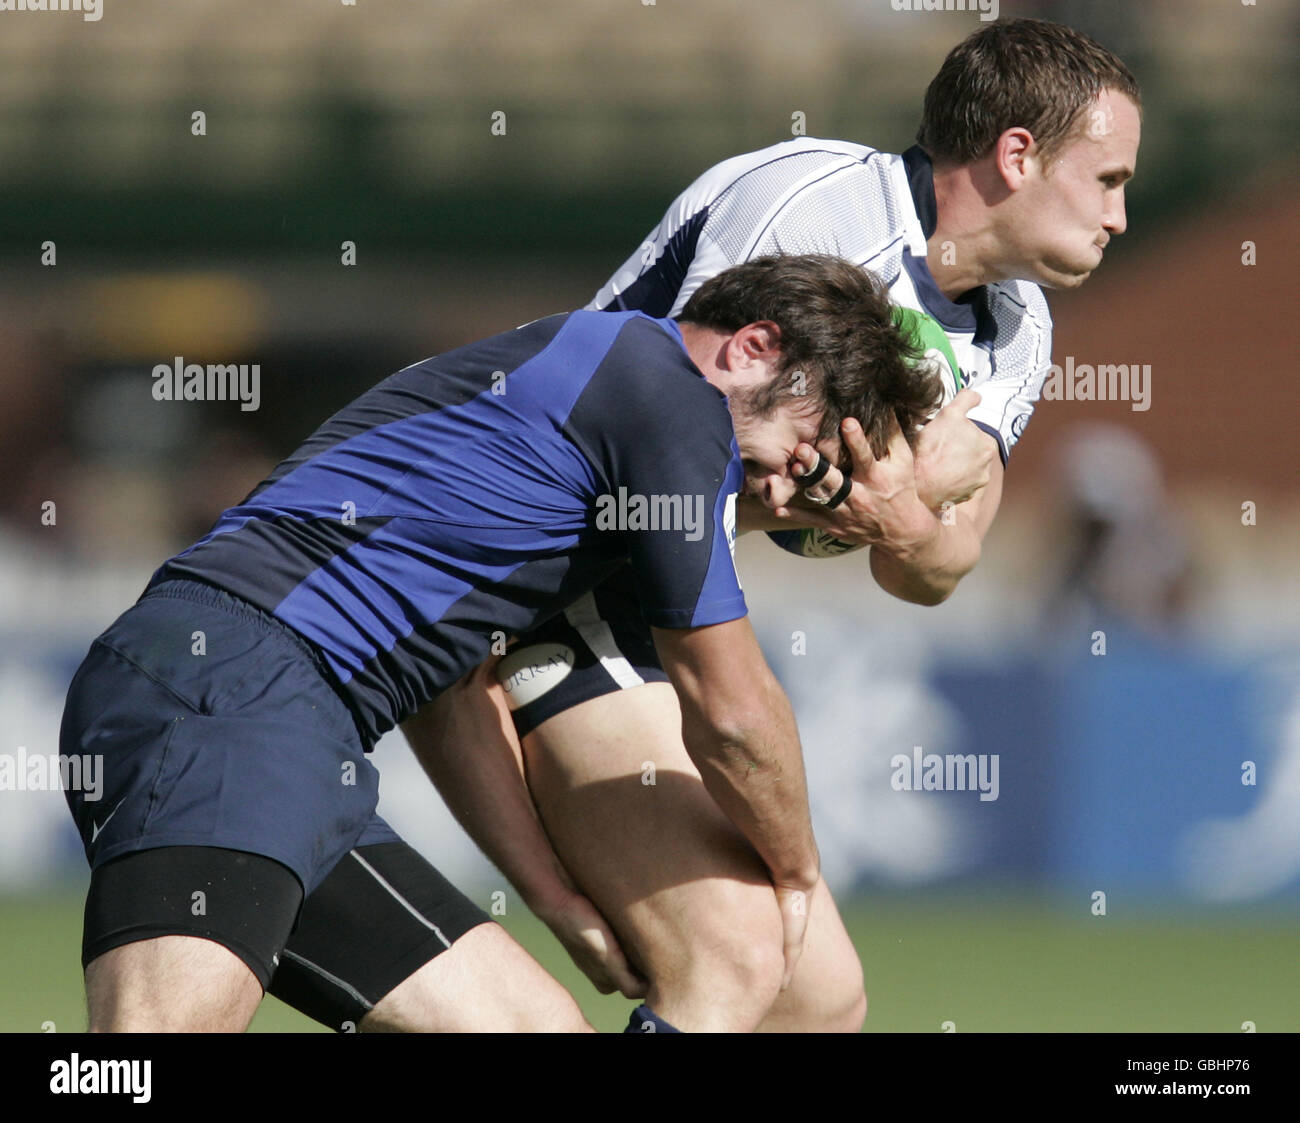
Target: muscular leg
688	896
387	944
477	986
181	938
171	984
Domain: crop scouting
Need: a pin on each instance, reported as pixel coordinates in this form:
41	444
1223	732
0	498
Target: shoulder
1024	323
1020	301
640	343
646	368
777	164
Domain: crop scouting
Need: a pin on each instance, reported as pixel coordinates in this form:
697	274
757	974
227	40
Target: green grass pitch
985	964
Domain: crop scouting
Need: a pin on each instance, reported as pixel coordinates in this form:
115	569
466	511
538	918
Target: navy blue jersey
480	492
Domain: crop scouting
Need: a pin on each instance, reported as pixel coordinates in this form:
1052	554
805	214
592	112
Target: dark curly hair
840	348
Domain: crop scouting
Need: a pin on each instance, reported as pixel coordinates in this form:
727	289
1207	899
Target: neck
962	253
706	346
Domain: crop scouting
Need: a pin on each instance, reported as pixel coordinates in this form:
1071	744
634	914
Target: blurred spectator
1125	552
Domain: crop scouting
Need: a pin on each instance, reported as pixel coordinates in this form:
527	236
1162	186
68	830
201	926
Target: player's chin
1061	278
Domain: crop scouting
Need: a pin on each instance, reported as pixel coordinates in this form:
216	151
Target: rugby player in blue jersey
1029	133
459	503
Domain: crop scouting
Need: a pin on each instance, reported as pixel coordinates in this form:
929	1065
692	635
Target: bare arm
931	570
465	741
739	729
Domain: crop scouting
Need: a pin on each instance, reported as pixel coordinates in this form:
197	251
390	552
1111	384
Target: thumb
629	983
794	923
964	402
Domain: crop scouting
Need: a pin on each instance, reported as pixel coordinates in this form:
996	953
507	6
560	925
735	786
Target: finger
855	440
828	485
964	401
805	459
629	983
593	960
793	947
794	923
615	966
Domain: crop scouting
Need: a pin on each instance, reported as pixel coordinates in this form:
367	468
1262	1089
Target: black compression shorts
376	919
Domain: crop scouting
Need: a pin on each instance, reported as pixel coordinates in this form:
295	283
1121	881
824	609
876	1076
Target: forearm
754	771
466	743
752	515
928	572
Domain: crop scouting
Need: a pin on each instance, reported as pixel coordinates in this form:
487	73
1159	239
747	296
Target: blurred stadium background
326	122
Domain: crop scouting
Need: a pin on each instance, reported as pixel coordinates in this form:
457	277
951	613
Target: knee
736	961
837	1004
848	1012
846	1007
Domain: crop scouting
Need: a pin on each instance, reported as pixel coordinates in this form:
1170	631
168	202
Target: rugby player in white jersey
1029	133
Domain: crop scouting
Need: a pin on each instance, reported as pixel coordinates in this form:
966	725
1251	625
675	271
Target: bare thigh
171	984
484	983
634	825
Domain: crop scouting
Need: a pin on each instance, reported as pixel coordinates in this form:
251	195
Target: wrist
548	892
930	495
911	531
804	879
801	873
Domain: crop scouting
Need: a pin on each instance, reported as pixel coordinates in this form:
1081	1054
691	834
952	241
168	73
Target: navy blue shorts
599	644
216	728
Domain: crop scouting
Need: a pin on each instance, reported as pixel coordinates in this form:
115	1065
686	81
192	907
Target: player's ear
760	340
1012	155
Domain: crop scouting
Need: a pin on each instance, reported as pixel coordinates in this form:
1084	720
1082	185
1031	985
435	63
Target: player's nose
1116	220
778	491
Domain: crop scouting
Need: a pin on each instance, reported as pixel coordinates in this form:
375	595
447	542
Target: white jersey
872	208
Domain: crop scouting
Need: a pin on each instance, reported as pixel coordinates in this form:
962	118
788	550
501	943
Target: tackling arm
465	741
739	729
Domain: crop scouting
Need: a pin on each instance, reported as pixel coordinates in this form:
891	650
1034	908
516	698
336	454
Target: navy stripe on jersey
458	499
920	178
952	315
655	291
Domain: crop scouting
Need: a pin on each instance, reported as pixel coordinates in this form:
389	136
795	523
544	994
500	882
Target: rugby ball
929	336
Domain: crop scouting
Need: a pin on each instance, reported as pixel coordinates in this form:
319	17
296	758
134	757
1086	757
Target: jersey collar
920	179
960	316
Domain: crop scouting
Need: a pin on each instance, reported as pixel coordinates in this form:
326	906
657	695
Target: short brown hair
837	329
1019	73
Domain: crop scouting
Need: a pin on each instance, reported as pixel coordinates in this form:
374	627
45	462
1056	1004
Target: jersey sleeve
1022	362
661	440
770	201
